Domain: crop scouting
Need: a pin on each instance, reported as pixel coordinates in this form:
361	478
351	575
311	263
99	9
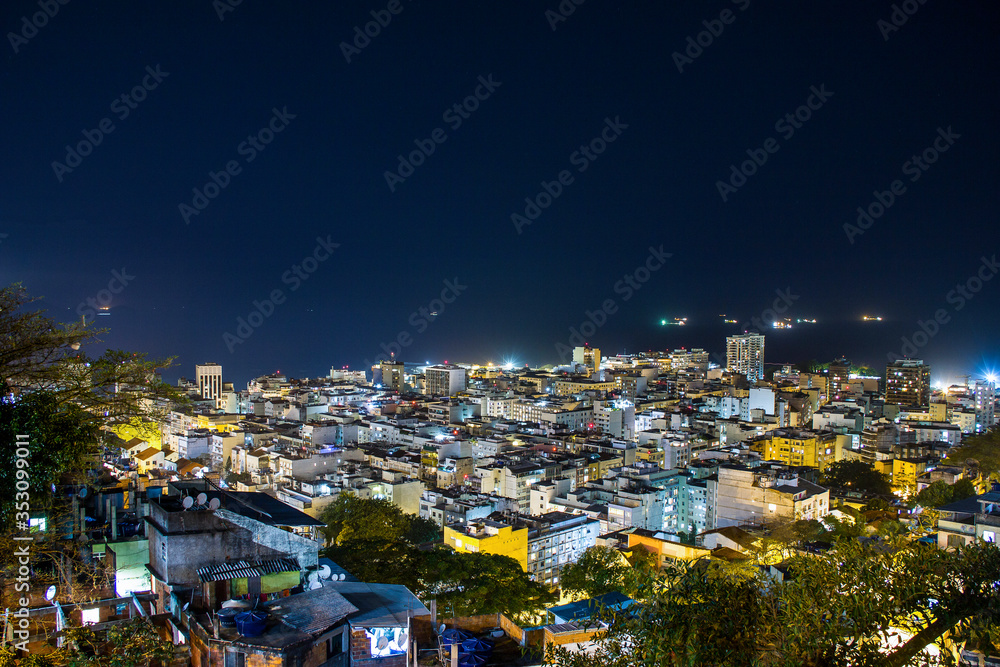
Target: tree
962	489
125	644
877	505
856	475
380	561
984	449
66	402
470	584
599	570
941	493
842	607
60	447
352	518
422	531
63	399
464	584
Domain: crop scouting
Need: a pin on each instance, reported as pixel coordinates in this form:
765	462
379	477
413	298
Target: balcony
987	520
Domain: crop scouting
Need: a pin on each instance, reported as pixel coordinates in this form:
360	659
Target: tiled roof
241	569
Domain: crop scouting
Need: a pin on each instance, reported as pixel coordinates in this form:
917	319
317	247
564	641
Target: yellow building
490	537
663	549
905	473
220	423
795	447
145	430
569	387
654	455
599	465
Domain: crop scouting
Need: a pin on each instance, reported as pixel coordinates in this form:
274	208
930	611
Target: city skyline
353	183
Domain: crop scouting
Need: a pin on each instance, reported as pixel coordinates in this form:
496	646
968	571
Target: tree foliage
983	450
38	354
350	517
856	475
599	570
865	603
941	493
469	584
376	541
60	446
127	644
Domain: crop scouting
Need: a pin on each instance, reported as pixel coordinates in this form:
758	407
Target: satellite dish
50	593
82	492
442	628
185	607
214	504
341	576
324	571
202	499
187	502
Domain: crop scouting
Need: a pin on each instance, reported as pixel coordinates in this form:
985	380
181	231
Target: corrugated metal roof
242	569
312	612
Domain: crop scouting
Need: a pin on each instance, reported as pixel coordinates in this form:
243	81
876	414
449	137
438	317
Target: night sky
212	85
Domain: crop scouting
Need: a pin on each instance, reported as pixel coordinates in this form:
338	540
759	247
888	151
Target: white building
984	392
444	380
745	355
208	377
758	496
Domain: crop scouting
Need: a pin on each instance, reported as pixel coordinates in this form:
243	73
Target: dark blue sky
656	184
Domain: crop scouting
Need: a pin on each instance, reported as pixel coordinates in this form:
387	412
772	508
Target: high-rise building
444	380
878	442
208	378
392	375
984	392
745	355
588	356
908	383
839	374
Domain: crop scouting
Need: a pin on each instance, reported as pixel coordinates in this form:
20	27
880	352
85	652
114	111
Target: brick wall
360	647
475	624
391	661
